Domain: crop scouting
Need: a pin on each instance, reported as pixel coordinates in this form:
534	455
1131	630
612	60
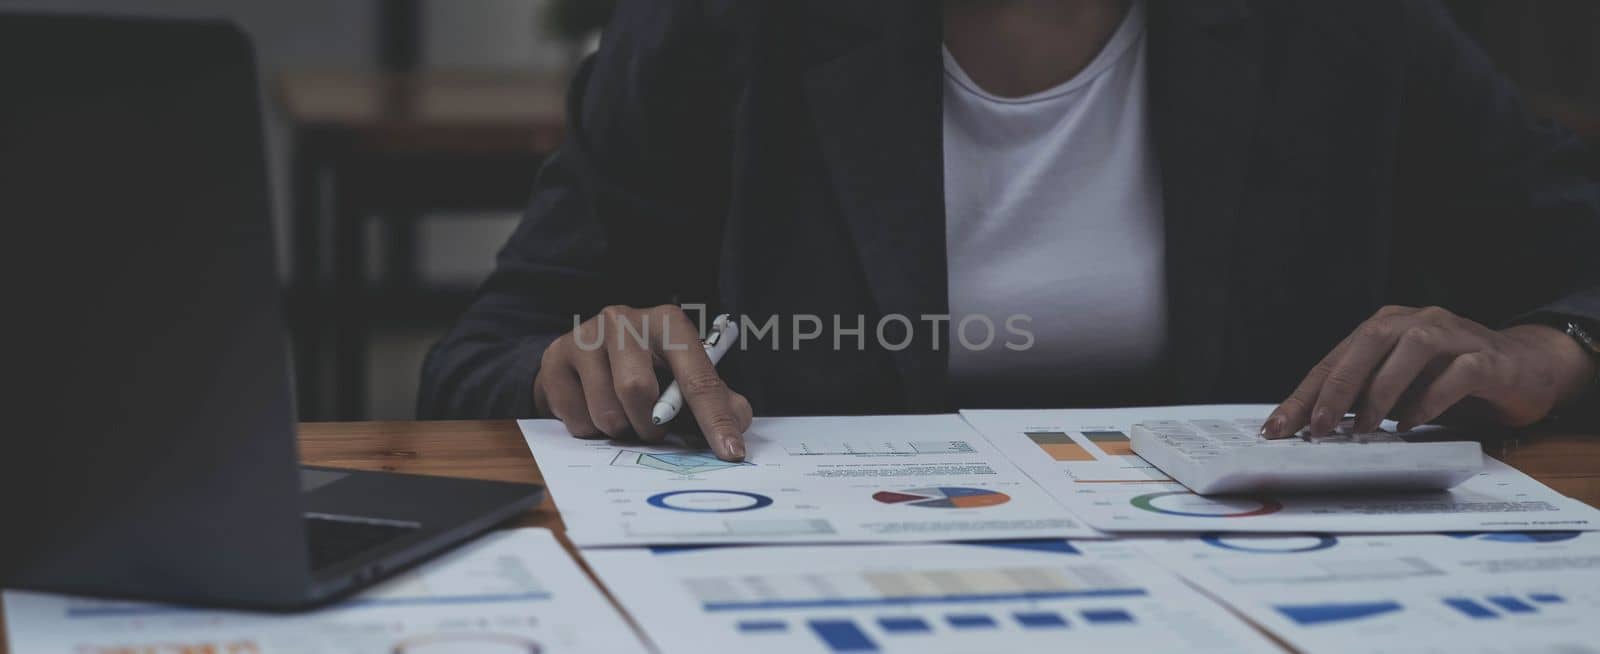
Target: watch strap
1590	342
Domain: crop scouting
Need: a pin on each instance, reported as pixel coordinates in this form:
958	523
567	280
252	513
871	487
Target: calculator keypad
1205	439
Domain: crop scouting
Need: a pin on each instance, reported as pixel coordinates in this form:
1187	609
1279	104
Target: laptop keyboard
334	539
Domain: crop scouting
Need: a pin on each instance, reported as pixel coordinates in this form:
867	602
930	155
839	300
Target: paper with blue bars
1017	596
1462	592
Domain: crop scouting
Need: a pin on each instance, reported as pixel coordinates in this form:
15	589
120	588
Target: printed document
1481	592
1082	457
856	479
513	591
1017	596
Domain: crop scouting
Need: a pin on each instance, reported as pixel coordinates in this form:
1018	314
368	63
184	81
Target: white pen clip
718	325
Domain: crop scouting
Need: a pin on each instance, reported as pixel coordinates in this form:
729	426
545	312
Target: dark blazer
1318	160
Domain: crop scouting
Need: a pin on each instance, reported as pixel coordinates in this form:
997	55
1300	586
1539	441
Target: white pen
724	331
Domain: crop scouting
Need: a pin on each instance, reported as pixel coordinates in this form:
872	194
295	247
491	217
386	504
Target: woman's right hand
601	380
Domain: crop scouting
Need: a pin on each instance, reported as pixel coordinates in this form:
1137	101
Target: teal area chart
679	463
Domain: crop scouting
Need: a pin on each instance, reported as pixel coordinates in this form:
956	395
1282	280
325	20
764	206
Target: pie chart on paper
943	497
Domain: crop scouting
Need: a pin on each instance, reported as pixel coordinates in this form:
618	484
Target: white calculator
1230	456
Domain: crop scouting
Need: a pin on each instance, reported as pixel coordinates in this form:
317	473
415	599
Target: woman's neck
1013	48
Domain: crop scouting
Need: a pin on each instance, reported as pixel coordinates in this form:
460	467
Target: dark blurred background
404	136
1551	48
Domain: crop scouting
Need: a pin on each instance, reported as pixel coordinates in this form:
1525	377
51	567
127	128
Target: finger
1348	377
742	411
634	381
548	363
1295	411
703	389
1467	375
565	396
600	395
1418	346
541	399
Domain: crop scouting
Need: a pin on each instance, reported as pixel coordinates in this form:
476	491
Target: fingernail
735	447
1273	428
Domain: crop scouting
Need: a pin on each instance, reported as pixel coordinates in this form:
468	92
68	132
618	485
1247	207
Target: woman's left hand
1412	364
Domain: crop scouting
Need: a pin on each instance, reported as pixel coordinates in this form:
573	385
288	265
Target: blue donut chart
660	501
1516	536
1217	539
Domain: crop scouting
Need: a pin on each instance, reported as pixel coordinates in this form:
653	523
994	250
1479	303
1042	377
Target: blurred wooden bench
390	147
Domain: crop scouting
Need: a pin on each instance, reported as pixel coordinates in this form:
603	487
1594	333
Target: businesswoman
1190	201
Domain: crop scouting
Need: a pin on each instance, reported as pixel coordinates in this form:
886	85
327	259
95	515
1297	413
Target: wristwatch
1588	343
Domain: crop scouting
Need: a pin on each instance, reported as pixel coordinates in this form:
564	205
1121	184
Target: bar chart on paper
1477	607
1023	596
1552	606
866	447
1089	446
1468	592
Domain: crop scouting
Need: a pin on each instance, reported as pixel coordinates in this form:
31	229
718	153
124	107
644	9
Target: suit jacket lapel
1204	90
878	117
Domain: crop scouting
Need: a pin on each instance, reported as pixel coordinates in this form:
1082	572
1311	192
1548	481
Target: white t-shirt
1053	211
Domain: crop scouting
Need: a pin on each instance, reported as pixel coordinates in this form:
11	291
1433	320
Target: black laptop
148	446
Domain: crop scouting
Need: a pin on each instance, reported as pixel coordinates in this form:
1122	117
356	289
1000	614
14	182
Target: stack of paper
839	535
993	476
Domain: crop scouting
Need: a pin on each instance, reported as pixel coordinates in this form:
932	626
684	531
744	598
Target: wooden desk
1569	463
487	449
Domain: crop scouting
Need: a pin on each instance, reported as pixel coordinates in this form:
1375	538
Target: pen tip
655	419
